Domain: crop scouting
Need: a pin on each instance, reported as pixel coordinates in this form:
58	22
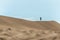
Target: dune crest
20	29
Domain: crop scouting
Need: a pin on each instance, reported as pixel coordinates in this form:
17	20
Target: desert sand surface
20	29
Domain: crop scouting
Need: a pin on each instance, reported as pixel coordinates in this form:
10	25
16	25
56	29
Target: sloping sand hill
20	29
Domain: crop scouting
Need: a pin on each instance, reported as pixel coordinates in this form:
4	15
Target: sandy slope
52	25
19	29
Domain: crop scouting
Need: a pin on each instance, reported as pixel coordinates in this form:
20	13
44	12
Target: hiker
40	18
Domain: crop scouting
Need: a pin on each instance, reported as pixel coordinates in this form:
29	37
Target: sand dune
20	29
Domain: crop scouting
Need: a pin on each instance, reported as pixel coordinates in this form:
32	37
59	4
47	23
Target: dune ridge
20	29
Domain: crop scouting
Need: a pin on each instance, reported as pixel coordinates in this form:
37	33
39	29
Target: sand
20	29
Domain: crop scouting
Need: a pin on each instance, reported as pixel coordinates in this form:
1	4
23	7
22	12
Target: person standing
40	18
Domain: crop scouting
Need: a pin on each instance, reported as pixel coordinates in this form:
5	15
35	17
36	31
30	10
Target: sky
31	9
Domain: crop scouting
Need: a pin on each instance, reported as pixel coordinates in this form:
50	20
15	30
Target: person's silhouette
40	18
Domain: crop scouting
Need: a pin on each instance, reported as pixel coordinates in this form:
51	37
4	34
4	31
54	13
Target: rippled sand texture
27	34
19	29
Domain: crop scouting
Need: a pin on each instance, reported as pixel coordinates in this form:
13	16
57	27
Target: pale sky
31	9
